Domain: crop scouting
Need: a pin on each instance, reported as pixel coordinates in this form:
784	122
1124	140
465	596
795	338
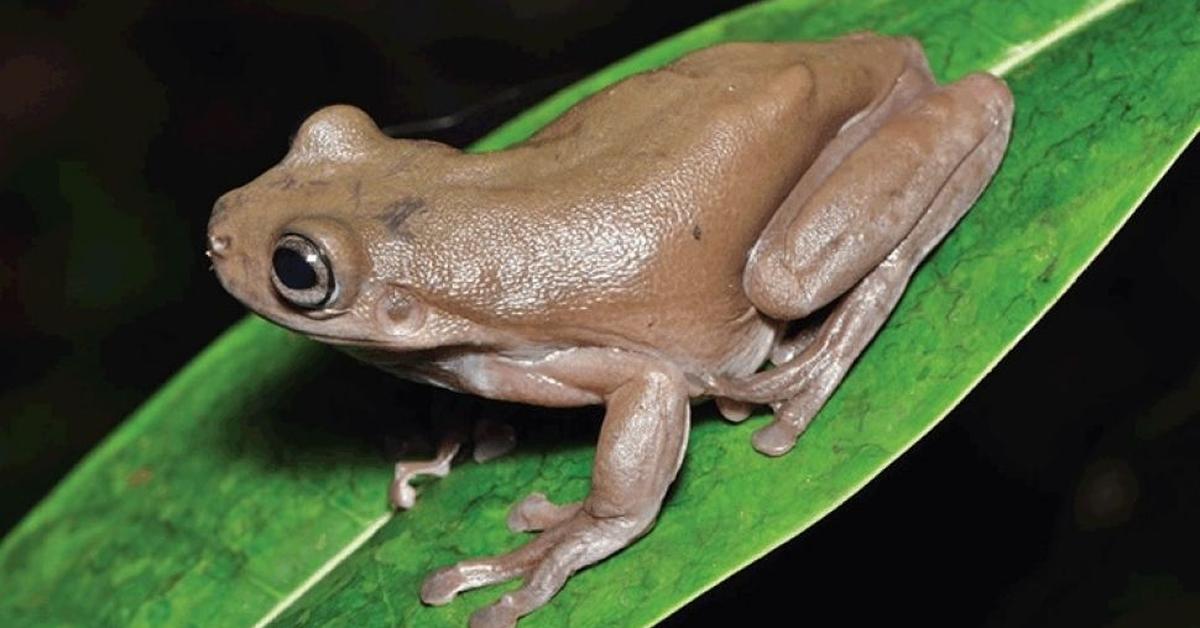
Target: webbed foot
545	563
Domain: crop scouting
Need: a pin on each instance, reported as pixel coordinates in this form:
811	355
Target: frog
735	226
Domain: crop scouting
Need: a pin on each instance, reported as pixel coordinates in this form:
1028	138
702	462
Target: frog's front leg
862	233
642	441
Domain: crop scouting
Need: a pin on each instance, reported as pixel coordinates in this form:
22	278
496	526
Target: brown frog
655	244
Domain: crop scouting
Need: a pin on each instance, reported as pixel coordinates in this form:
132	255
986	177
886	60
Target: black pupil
293	270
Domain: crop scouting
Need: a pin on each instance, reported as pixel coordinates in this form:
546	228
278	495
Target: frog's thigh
863	209
800	387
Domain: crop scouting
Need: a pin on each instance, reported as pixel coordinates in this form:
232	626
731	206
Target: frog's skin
650	246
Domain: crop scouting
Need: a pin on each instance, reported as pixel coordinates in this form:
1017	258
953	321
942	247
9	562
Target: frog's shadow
339	412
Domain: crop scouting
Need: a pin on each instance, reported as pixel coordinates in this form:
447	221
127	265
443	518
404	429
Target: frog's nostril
217	245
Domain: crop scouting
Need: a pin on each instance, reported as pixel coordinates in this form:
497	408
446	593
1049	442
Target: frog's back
638	206
729	106
704	150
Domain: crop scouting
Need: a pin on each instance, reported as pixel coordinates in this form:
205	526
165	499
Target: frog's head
322	243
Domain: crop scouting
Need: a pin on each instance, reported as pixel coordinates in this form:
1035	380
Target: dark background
1063	491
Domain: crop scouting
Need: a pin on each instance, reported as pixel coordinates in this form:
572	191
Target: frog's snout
218	239
217	245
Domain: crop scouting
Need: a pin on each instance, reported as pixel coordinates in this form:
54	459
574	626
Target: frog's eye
301	273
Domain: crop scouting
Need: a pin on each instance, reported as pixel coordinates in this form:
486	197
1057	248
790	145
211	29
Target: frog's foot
976	114
545	563
402	494
492	439
536	513
641	447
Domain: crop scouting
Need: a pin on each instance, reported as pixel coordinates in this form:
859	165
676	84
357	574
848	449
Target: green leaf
231	497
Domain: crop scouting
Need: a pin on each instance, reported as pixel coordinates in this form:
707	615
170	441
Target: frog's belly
700	339
580	375
733	350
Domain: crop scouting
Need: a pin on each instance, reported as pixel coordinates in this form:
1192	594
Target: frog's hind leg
774	276
926	166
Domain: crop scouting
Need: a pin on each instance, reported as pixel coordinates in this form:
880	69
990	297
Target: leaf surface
228	499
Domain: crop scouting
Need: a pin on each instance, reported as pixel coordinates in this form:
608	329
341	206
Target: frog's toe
441	586
547	561
536	513
734	411
792	417
775	439
402	495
